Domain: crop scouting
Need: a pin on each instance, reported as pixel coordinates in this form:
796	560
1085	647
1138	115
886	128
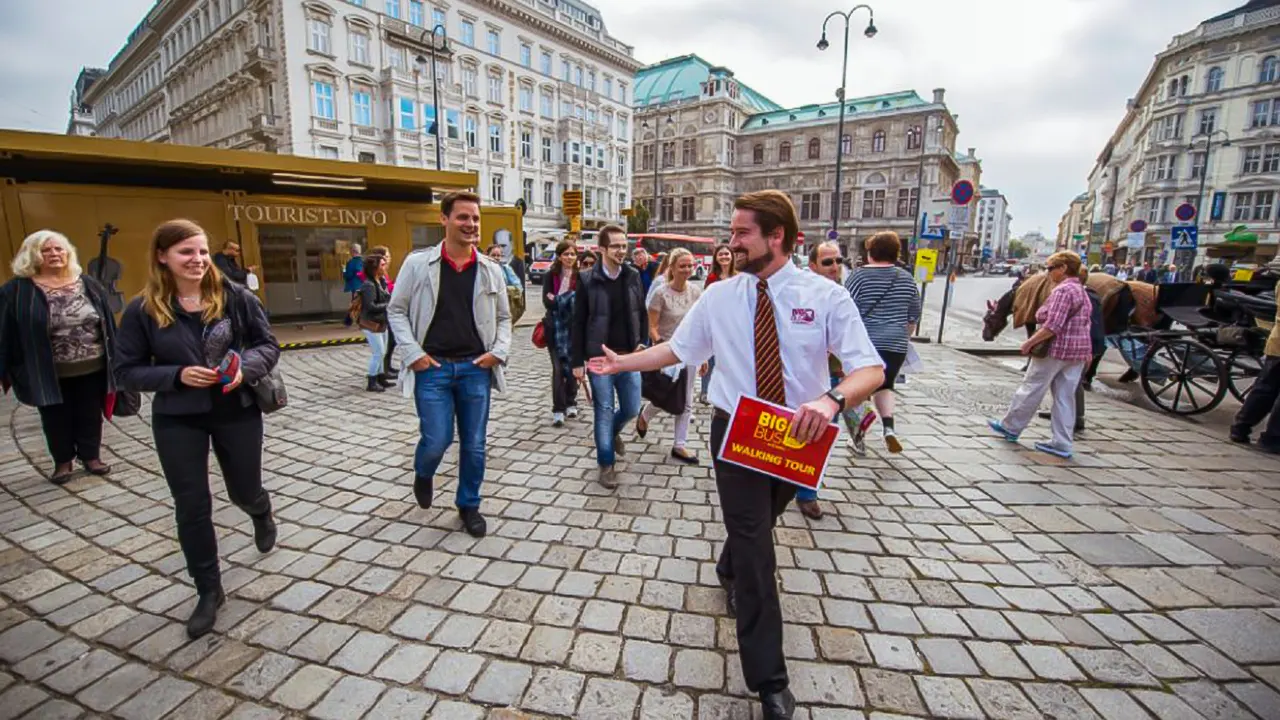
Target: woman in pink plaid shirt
1063	323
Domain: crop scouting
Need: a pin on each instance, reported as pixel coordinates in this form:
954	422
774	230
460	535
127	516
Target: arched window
815	149
784	152
1269	69
1213	81
913	137
877	141
757	154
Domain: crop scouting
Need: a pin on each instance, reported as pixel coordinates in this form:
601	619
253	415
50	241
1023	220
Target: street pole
870	32
1184	258
435	85
1111	213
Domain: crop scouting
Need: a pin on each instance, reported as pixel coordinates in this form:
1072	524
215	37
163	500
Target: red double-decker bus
703	248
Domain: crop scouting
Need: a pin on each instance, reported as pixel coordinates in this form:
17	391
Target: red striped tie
769	385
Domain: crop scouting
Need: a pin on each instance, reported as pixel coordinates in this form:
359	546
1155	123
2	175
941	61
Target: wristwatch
836	396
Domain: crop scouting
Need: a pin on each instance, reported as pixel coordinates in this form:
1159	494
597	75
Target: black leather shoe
779	705
731	596
1128	376
423	490
205	615
1239	437
374	385
473	522
385	380
264	531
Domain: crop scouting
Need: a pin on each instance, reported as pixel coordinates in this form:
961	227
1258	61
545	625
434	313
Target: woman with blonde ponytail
197	341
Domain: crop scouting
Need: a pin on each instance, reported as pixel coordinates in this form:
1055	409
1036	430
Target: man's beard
751	265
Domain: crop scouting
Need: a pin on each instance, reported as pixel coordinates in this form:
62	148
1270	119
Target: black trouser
564	386
73	428
1092	371
391	348
182	442
1263	398
752	503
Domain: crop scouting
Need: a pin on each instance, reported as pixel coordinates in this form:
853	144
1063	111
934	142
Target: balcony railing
325	125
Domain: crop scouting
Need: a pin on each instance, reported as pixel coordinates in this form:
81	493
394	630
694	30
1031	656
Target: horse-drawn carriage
1189	344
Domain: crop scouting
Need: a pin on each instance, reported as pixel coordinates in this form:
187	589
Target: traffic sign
571	200
1185	237
958	220
833	235
1185	212
926	264
962	192
1138	226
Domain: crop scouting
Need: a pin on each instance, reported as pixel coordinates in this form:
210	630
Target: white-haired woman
668	303
56	337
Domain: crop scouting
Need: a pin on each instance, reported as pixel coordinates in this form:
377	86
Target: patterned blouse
75	330
1066	313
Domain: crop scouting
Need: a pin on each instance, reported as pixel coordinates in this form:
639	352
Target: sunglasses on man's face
1051	268
828	262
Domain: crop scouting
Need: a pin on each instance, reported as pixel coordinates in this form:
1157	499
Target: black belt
463	359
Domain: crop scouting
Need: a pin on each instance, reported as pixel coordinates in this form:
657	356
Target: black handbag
668	395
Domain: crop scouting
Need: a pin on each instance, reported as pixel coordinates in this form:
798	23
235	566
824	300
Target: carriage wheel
1242	371
1184	377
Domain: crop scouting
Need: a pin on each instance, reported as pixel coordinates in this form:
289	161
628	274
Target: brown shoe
642	425
810	508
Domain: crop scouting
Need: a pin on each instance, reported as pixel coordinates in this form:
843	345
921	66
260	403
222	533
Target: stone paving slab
967	577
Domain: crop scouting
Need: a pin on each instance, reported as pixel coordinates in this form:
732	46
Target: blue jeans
609	418
458	389
377	348
706	379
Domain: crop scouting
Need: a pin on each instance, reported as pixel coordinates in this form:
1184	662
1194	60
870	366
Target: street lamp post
915	232
1184	258
870	32
435	82
657	147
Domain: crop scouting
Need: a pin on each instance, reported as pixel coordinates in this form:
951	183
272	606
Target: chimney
972	152
938	94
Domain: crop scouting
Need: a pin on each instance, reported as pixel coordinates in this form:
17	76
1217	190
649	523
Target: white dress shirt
814	317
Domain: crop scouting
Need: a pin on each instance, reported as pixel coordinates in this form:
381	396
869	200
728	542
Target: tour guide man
770	328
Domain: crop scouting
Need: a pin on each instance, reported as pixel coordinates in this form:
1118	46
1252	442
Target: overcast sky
1038	85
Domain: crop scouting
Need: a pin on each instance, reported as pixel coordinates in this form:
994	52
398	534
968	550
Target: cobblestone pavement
966	578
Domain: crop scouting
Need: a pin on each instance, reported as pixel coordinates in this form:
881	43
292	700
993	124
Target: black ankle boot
374	385
385	380
264	531
206	614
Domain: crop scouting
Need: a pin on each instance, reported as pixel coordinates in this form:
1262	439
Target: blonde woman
56	336
668	304
186	323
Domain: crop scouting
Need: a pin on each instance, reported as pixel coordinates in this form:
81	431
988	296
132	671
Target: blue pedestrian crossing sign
1185	237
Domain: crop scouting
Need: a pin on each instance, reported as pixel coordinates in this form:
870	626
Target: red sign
758	438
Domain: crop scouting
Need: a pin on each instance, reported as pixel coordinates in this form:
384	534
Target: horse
1121	299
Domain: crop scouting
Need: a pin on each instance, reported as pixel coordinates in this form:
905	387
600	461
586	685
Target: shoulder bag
269	391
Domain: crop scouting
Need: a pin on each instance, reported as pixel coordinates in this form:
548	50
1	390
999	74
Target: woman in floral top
1060	349
667	307
56	329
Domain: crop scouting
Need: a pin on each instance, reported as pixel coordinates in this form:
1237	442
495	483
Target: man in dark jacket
228	263
609	312
647	267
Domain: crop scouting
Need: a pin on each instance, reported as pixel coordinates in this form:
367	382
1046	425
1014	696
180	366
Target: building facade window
908	202
547	105
546	149
784	152
1271	159
873	203
687	212
472	126
1252	206
815	149
576	153
1269	69
526	55
589	156
328	152
318	39
1168	127
646	157
877	142
437	17
408	114
526	144
526	191
495	89
548	194
688	152
622	164
846	205
1197	165
544	63
324	100
846	144
468	33
495	43
469	79
1207	121
668	154
393	8
1266	113
452	119
810	206
495	137
666	209
495	187
416	16
757	154
913	137
1213	80
362	108
360	48
1252	161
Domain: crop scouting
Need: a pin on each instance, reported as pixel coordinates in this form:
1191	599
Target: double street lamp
870	32
421	63
1185	257
657	147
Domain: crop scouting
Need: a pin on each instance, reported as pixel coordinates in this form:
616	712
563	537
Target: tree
1017	250
638	222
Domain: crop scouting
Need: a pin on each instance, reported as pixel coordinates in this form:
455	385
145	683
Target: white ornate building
1220	80
993	223
717	138
534	95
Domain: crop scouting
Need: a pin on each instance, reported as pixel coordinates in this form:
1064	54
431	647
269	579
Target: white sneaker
573	411
557	419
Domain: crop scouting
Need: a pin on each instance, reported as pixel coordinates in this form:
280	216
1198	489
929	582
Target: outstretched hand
606	364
